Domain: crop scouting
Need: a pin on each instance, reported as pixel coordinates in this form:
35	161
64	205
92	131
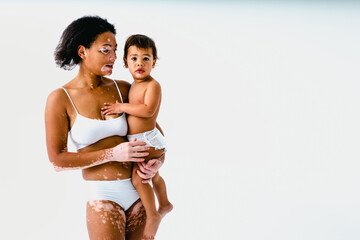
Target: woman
114	211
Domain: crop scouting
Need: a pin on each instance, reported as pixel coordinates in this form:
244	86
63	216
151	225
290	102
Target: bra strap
117	87
71	100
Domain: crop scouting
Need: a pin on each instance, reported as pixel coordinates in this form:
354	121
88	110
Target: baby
140	56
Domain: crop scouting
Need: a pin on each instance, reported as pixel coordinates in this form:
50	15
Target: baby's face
140	62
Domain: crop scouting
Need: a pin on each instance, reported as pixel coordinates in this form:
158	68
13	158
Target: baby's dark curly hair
140	41
82	31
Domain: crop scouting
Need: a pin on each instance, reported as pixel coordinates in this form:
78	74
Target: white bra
86	131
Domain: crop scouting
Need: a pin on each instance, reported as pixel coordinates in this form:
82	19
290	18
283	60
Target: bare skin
107	159
143	109
114	221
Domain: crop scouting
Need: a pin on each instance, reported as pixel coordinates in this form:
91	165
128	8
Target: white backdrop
260	110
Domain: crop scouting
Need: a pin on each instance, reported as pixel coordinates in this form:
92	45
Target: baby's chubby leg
153	218
160	190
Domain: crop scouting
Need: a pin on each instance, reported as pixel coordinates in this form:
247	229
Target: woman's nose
113	57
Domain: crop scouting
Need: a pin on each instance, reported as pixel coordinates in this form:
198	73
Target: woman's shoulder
57	93
122	83
57	96
56	101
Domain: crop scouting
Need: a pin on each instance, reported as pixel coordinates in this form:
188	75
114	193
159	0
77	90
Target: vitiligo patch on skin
136	217
109	213
105	50
105	69
104	158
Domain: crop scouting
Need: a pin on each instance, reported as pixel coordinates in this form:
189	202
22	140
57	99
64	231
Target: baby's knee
136	180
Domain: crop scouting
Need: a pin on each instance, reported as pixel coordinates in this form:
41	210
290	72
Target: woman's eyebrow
107	44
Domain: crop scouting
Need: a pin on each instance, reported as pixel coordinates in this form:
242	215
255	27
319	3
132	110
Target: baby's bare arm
151	104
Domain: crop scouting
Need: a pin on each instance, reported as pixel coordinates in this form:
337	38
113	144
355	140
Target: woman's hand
149	169
133	151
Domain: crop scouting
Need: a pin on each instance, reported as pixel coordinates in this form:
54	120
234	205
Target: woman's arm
151	103
57	127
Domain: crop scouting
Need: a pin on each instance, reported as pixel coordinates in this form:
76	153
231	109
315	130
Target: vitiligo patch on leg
109	212
136	217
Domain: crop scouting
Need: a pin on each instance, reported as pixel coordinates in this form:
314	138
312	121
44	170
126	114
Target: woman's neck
88	79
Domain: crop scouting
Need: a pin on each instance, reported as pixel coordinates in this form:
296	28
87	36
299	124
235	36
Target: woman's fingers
142	175
139	154
137	160
135	143
143	169
140	148
146	180
153	165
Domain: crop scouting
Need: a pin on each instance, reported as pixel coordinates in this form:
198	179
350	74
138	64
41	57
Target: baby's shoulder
153	83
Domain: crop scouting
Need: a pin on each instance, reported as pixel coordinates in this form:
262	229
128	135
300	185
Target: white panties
121	192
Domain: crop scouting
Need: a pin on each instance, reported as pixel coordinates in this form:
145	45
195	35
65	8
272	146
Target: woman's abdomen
107	171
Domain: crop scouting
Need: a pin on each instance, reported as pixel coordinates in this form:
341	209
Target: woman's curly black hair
82	31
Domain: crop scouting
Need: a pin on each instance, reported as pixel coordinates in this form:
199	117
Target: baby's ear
125	63
154	62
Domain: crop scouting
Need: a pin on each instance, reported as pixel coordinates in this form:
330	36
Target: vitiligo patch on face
106	70
105	50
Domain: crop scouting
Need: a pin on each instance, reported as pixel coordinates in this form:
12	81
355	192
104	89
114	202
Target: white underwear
121	192
153	138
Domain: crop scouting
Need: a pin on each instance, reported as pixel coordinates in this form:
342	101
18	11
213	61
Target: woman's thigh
135	221
105	220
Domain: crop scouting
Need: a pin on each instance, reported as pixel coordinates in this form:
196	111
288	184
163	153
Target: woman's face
100	57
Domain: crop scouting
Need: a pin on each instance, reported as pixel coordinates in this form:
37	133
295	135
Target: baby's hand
111	108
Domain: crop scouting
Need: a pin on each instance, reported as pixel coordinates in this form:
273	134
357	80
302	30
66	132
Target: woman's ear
82	52
125	63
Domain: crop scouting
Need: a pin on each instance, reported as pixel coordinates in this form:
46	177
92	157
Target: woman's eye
104	51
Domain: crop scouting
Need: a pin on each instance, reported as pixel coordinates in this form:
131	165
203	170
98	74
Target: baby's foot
165	209
151	226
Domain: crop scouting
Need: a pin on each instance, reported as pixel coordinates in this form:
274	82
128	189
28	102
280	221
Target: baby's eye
146	59
133	58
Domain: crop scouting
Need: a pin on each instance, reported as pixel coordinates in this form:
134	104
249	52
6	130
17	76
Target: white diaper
153	138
